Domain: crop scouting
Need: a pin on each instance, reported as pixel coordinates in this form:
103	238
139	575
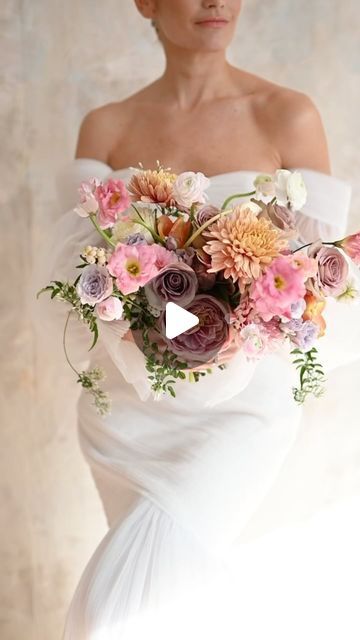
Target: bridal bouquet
235	267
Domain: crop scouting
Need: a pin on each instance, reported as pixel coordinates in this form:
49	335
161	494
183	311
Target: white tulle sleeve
325	213
63	240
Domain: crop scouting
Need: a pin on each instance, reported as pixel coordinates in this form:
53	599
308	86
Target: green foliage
67	293
89	380
311	375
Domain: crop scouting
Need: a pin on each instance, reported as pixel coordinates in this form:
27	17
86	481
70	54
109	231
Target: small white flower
250	205
290	189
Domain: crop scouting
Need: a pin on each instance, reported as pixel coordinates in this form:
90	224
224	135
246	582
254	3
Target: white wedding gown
199	546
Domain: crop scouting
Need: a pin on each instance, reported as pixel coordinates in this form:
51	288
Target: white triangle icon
178	320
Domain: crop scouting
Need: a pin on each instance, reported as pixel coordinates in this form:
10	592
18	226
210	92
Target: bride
182	480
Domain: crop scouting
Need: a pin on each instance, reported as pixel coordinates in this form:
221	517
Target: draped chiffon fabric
182	479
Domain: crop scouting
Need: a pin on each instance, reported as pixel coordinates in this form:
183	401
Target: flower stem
64	343
237	195
102	233
204	226
143	224
308	245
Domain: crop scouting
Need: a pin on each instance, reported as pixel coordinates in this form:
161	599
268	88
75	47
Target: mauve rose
95	284
202	342
173	283
332	272
282	217
206	213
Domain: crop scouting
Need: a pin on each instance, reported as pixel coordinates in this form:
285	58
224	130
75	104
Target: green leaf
96	335
48	288
54	293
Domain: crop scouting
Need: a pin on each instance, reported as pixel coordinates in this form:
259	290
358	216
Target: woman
180	479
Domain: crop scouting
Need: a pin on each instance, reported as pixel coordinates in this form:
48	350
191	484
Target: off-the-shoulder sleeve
325	213
56	259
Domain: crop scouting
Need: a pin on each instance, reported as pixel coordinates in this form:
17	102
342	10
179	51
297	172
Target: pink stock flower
307	264
113	199
351	246
88	203
133	266
281	285
254	340
163	256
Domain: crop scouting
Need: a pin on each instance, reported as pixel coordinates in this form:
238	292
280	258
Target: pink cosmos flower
276	290
133	266
113	199
351	246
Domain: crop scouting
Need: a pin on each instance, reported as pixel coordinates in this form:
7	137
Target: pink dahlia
279	287
133	266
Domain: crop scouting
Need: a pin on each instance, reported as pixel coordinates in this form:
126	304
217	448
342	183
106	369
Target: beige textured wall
58	60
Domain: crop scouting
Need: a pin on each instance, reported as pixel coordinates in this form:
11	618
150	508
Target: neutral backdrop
58	61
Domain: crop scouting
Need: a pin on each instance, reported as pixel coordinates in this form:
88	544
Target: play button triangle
178	320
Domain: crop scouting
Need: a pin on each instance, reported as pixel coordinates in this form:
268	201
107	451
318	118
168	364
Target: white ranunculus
290	189
189	187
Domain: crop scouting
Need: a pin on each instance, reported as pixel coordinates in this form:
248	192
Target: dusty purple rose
333	270
175	282
202	342
205	213
282	217
95	284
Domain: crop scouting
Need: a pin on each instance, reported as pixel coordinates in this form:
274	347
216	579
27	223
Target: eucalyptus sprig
311	375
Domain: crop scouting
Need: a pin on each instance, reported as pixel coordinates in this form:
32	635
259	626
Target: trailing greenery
311	375
67	293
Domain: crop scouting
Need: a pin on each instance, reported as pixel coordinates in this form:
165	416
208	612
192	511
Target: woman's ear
146	8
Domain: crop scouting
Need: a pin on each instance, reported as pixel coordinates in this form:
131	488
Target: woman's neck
193	78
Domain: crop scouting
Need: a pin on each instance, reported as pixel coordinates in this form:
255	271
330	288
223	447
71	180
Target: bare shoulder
294	125
94	133
103	125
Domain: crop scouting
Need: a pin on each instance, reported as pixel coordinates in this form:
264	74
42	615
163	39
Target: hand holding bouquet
234	267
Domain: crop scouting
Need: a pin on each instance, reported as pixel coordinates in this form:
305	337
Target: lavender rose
173	283
136	238
202	342
95	284
333	270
